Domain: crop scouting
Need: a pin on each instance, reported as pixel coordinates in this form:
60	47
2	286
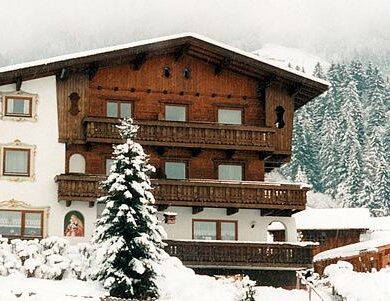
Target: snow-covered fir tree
346	133
128	238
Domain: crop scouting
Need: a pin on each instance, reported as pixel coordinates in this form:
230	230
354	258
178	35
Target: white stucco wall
49	159
251	226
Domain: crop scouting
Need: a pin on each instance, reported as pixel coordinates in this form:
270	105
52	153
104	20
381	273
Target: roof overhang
303	87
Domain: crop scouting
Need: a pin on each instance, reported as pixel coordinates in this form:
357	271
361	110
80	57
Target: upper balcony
184	134
196	193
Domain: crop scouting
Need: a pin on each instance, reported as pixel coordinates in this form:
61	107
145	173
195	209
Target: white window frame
17	145
20	95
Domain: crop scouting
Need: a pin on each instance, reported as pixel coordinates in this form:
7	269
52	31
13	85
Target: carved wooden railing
207	193
79	187
203	253
213	193
184	134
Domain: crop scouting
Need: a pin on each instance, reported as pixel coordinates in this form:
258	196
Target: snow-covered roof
353	249
330	219
104	50
380	223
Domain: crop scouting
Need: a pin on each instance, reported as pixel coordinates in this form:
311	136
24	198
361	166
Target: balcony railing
184	134
206	193
202	253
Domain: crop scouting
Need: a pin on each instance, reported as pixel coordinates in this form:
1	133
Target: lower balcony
235	254
196	193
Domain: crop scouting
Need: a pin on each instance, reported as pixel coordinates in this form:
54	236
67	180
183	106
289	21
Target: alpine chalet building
214	120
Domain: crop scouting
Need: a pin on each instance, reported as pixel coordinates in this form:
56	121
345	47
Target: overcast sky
33	29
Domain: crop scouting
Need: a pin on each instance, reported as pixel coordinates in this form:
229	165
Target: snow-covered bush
9	261
81	262
55	264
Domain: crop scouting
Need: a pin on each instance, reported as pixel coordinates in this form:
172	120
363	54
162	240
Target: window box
19	106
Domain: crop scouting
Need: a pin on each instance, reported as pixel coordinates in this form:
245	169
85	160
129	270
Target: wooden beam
68	203
197	209
276	212
196	151
139	60
181	51
294	90
222	65
91	204
162	207
229	153
64	74
18	83
266	83
92	70
231	211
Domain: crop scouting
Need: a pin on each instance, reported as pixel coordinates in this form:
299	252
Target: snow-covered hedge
54	258
50	258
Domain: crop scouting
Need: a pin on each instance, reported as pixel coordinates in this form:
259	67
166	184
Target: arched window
74	224
77	163
276	231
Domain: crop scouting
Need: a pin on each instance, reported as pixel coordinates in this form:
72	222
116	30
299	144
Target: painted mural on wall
74	224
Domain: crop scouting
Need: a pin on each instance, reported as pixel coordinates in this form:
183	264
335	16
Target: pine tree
376	194
127	236
319	71
358	74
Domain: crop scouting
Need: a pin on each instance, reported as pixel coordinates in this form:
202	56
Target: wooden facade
364	261
326	239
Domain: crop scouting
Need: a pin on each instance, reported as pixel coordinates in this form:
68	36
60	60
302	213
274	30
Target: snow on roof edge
352	249
155	40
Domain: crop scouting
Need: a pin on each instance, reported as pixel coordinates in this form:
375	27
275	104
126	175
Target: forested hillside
341	142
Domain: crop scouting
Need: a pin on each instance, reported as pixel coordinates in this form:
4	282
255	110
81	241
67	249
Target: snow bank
354	286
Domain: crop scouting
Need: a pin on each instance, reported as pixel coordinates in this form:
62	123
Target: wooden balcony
184	134
196	193
203	253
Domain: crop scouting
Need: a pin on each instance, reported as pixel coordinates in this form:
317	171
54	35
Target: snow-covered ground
191	287
354	286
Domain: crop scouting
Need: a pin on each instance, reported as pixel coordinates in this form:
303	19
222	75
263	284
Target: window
119	109
21	223
175	113
175	170
16	162
18	106
230	116
230	172
214	230
109	163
